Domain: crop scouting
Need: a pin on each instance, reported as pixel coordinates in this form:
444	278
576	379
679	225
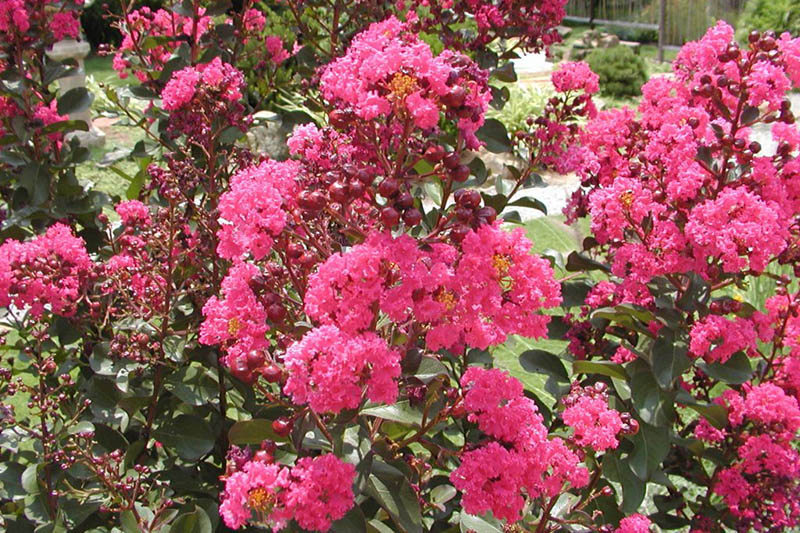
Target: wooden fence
683	20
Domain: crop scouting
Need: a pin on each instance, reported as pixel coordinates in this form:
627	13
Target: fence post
662	29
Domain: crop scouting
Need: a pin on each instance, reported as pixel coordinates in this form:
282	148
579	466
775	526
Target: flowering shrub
311	344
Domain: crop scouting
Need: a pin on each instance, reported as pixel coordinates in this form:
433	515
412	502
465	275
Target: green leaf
128	522
670	358
542	362
253	431
717	415
30	479
652	404
353	522
429	369
605	368
494	134
395	495
735	370
400	412
468	522
578	262
195	522
190	436
574	293
505	73
74	101
650	446
442	494
531	202
192	384
633	488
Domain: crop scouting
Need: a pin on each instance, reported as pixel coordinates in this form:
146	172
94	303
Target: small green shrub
523	102
776	15
621	72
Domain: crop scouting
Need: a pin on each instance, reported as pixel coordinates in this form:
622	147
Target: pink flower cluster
635	523
660	186
314	492
329	370
389	72
520	460
18	16
50	272
143	23
221	79
716	338
762	487
238	321
595	425
253	210
493	289
575	76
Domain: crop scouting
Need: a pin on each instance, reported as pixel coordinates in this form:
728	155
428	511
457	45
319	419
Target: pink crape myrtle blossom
521	461
321	491
635	523
253	210
388	69
330	369
47	273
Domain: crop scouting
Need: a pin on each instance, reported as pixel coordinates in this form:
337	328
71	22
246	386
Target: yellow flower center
446	298
501	264
261	500
626	199
234	326
401	85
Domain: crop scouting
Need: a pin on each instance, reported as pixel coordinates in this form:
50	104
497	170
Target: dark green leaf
400	412
253	431
195	522
735	370
478	524
717	415
633	488
505	73
670	358
578	262
396	496
494	134
650	446
190	436
652	404
574	293
542	362
529	201
353	522
604	368
74	101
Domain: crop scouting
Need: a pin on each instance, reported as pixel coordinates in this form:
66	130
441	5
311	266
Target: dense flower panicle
345	287
133	213
744	231
49	272
321	491
499	290
387	70
595	425
575	76
635	523
716	338
521	462
220	78
144	22
495	401
257	489
253	210
330	370
19	16
238	321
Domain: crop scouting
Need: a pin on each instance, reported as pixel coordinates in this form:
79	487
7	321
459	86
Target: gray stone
77	50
